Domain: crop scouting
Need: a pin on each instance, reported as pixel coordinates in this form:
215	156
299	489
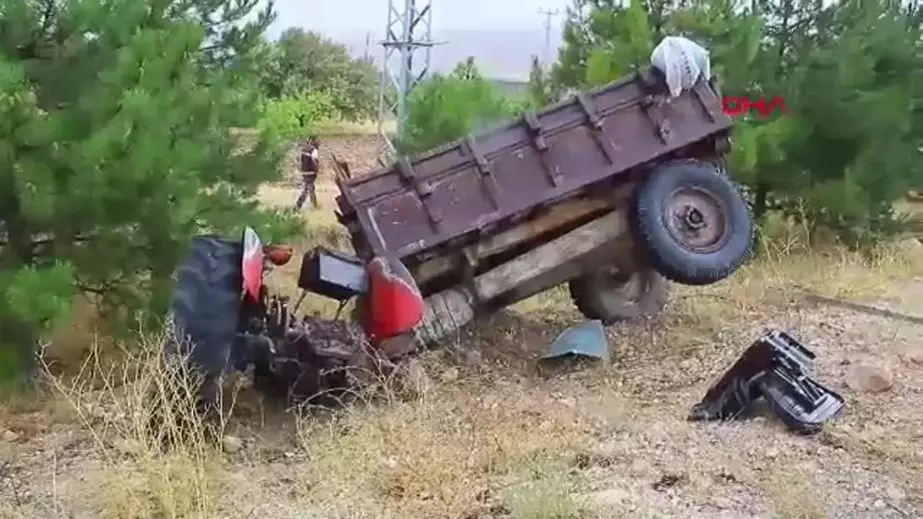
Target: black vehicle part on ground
693	223
205	308
802	404
612	296
774	367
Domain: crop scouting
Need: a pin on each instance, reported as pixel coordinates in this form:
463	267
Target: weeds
158	454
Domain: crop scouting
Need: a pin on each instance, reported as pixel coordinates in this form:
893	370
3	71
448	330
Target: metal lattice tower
407	48
546	51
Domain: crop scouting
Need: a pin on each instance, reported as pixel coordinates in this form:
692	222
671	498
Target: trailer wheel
206	302
612	296
694	223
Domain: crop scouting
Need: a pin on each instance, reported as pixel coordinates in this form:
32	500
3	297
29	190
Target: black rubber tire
669	256
205	309
597	295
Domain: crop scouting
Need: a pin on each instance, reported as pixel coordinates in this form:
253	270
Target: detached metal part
586	339
332	274
775	368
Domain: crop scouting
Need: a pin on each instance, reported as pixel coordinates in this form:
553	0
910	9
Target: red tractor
224	318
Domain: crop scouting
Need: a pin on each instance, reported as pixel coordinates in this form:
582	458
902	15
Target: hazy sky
502	35
348	16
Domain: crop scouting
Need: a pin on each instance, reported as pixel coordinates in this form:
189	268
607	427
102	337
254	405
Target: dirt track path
865	465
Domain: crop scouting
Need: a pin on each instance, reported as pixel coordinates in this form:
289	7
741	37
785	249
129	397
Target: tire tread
663	253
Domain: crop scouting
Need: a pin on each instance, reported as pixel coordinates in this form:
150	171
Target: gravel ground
634	455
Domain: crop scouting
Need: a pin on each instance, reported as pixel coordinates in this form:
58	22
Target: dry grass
448	454
321	225
453	454
356	128
486	441
155	457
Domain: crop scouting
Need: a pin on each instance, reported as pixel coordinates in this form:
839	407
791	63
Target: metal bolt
694	218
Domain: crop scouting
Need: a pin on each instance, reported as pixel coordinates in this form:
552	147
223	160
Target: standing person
310	165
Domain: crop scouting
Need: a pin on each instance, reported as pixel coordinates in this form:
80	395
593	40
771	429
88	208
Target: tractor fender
393	303
251	265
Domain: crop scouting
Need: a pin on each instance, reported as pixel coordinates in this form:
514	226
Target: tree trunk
22	338
15	333
760	201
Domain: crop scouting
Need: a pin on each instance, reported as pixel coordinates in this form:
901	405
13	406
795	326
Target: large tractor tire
612	296
206	305
693	223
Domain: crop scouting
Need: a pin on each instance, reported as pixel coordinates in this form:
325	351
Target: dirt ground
498	435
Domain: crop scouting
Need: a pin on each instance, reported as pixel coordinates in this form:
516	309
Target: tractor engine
225	318
310	359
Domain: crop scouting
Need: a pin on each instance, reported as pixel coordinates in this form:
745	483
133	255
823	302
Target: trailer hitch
775	368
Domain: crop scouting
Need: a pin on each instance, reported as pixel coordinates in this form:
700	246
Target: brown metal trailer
611	191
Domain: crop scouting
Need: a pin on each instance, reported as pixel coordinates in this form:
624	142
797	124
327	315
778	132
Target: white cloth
682	61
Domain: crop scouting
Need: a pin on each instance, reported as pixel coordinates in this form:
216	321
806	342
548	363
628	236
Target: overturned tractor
226	319
612	193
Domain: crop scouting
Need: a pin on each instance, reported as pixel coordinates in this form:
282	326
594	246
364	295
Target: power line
548	14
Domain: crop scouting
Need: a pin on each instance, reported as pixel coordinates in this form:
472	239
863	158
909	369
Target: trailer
614	192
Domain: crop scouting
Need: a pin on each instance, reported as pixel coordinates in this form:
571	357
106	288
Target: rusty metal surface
476	184
697	220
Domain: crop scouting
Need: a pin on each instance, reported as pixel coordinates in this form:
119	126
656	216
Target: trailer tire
205	309
694	224
611	296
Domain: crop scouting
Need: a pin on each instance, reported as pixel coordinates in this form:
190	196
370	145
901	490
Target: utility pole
368	43
407	33
548	14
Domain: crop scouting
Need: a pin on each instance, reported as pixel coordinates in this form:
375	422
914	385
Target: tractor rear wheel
205	310
612	296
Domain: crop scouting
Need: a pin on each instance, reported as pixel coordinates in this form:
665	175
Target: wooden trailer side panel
478	183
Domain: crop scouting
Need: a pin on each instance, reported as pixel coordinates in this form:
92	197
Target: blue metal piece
583	340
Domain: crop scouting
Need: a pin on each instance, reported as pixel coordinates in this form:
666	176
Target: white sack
682	61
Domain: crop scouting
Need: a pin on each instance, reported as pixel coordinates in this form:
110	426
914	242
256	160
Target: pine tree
116	148
540	88
602	40
857	98
446	107
578	41
849	73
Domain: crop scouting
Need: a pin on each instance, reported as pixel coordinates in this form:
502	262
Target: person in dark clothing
310	165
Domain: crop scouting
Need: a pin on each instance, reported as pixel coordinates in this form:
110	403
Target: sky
336	16
502	35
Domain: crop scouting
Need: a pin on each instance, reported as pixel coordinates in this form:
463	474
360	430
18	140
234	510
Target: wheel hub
697	220
694	218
